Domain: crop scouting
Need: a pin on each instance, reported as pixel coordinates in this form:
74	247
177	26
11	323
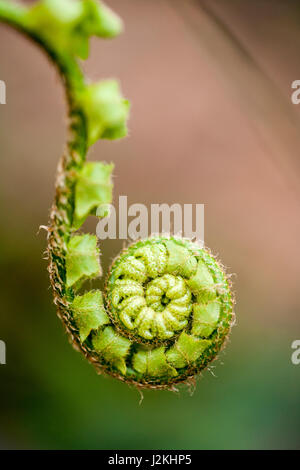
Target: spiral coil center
167	310
155	310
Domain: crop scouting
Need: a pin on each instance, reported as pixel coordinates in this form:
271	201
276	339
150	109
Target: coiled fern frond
167	307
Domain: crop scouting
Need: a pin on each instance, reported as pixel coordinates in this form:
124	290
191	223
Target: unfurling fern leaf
167	307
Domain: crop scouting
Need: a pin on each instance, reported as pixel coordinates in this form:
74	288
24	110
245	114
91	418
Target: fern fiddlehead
167	306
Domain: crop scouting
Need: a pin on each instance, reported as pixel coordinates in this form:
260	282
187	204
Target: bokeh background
212	122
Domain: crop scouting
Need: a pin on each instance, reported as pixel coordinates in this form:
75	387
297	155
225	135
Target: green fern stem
168	308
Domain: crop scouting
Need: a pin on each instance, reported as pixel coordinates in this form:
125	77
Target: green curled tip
170	309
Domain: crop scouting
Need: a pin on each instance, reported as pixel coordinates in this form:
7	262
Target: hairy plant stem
62	210
61	215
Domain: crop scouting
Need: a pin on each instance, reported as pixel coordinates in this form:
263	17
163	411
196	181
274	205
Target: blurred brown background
212	122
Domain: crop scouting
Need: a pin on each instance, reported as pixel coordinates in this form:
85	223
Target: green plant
167	307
